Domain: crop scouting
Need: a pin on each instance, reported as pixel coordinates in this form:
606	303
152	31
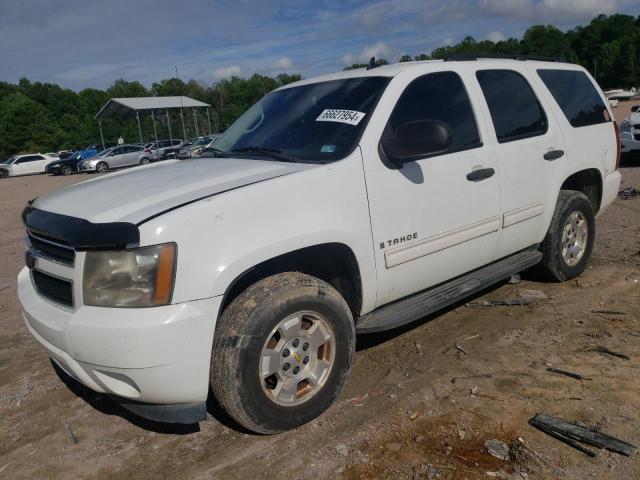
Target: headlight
142	277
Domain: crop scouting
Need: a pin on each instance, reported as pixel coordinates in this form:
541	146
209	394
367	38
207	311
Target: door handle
553	155
480	174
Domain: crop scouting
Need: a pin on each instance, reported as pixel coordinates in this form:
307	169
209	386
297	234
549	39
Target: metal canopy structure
132	107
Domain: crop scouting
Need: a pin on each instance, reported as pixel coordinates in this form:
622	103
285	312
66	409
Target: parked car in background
62	154
115	157
630	131
194	148
65	166
90	151
160	149
25	164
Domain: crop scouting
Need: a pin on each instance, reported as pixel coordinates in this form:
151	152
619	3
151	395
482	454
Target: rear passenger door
131	155
530	152
117	158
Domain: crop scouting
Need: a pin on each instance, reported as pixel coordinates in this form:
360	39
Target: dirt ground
415	405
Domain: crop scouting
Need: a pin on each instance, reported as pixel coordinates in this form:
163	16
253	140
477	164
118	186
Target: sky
85	43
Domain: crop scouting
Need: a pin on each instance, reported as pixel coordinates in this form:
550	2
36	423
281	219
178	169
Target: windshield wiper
273	153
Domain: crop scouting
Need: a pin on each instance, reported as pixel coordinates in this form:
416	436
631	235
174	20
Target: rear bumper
157	356
610	188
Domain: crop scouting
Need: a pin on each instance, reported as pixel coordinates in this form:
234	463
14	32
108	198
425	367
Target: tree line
609	47
42	117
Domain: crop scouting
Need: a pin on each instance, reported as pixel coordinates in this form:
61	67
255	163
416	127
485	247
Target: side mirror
414	140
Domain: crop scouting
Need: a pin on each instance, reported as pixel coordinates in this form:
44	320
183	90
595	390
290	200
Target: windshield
319	122
9	160
104	153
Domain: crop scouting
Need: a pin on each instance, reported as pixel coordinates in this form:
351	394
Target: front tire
568	244
102	167
66	170
144	161
282	352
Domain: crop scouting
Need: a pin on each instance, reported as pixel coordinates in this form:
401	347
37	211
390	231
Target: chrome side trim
521	214
441	241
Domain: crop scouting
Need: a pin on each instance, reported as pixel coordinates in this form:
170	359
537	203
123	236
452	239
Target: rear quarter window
576	96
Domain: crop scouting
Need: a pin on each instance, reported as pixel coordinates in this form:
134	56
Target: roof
127	107
391	70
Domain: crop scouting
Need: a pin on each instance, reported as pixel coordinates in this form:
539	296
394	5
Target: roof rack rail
464	57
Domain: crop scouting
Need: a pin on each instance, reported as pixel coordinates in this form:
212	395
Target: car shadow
105	404
365	341
630	160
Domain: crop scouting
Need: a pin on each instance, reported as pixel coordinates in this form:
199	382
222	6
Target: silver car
115	157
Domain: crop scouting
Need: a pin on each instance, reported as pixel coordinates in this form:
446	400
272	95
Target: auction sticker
342	116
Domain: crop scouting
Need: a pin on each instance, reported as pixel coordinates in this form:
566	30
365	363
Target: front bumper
158	356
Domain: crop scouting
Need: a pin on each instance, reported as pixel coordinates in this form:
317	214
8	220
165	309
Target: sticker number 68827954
351	117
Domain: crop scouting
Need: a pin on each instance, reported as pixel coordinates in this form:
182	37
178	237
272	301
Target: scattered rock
419	349
419	438
394	447
413	416
474	390
393	396
515	279
432	472
461	434
342	449
532	294
497	448
628	193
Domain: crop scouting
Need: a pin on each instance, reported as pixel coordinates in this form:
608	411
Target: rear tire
4	173
102	167
568	244
144	161
296	326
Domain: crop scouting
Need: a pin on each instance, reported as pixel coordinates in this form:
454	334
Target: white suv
349	203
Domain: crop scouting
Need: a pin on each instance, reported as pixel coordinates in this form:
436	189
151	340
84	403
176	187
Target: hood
135	195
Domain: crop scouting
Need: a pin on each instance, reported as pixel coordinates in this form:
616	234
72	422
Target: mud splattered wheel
282	351
297	358
569	241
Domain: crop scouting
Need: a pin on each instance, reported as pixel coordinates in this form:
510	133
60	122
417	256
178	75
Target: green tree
25	125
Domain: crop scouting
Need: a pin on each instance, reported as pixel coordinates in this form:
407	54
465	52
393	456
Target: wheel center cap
297	356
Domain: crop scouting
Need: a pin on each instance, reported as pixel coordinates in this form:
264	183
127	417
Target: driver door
432	218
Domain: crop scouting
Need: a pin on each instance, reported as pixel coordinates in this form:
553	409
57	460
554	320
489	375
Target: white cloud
283	64
379	50
496	36
226	72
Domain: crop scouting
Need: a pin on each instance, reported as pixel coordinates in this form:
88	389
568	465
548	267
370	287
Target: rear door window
515	110
577	97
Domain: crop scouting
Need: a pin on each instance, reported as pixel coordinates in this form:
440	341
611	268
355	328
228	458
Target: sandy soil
415	406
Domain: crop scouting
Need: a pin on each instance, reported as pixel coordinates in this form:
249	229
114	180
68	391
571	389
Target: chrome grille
51	249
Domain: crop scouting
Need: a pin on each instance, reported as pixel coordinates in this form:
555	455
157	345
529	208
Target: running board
429	301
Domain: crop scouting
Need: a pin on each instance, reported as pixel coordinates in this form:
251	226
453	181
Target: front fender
221	237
